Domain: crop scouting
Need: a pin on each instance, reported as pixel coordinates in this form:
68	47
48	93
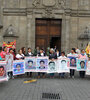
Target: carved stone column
30	31
67	34
63	33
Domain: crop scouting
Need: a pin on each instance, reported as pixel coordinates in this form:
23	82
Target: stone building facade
19	16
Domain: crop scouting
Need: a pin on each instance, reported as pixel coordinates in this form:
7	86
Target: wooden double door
48	33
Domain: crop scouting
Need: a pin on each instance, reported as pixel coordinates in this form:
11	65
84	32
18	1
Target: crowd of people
52	53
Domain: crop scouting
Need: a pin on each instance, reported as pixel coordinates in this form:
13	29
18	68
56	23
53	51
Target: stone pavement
69	89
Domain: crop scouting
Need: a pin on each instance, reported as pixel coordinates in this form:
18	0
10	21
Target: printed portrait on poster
63	65
3	72
81	64
18	67
72	62
42	64
9	60
52	66
30	64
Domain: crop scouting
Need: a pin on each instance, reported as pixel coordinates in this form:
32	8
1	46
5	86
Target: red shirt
2	54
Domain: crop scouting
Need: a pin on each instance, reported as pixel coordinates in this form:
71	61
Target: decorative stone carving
49	2
36	3
48	13
61	3
83	2
10	32
86	34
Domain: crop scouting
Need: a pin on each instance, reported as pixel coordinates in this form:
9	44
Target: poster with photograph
73	60
9	61
30	64
88	68
18	67
3	72
52	66
81	64
63	65
42	64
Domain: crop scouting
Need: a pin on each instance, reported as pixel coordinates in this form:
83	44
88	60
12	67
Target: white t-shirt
42	54
19	56
62	57
30	53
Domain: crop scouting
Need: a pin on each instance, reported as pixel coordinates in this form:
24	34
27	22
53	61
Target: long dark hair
24	52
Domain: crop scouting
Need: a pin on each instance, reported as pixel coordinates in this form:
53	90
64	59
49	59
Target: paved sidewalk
69	89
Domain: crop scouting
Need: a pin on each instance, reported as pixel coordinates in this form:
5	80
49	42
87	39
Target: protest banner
73	64
63	65
9	61
42	64
3	72
18	67
30	64
9	45
52	66
81	64
88	68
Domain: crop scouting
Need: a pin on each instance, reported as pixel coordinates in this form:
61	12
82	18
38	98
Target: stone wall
75	15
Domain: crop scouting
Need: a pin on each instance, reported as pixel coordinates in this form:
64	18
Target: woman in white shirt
20	55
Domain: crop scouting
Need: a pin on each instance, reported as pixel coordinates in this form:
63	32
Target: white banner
63	65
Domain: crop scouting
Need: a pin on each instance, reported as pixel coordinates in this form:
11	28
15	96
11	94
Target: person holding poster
72	57
41	54
9	60
29	54
63	63
82	63
52	57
